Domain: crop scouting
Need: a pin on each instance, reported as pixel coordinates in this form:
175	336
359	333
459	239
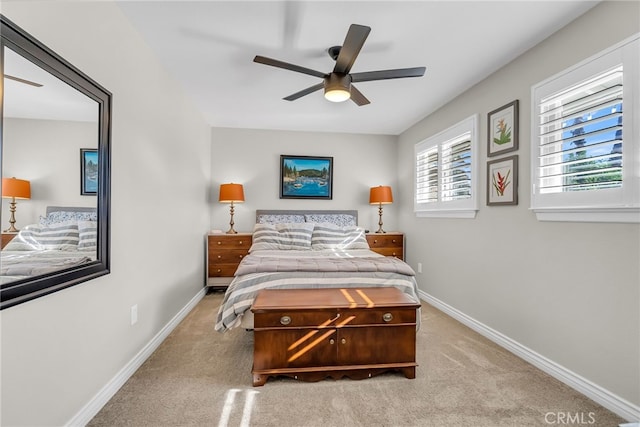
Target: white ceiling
209	46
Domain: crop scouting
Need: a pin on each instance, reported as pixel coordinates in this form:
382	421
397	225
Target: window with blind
445	172
585	140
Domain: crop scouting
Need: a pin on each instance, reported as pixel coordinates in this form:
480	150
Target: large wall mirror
55	163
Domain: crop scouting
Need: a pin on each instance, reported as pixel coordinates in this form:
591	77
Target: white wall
46	153
60	350
252	158
569	291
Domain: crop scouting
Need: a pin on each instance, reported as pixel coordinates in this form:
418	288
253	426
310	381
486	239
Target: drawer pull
375	240
285	320
240	256
219	271
394	240
219	256
387	317
343	341
240	242
219	243
332	341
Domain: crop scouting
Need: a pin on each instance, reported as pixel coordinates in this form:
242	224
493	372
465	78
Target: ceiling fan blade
350	49
388	74
18	79
304	92
287	66
358	97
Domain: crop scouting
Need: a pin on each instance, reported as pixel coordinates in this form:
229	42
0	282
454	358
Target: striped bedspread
313	269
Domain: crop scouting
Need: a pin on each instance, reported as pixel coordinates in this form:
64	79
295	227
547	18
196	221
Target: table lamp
231	193
380	195
13	188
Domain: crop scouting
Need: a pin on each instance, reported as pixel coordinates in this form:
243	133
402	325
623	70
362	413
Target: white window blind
446	170
581	144
585	154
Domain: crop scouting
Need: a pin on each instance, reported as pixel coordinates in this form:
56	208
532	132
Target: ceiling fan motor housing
337	87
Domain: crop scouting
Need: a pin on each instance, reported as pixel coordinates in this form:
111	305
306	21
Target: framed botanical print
502	128
306	177
502	181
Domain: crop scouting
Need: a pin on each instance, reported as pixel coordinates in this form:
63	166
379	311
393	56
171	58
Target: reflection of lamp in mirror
13	188
380	195
231	193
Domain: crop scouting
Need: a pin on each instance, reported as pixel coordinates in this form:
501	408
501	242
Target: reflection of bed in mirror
65	237
308	249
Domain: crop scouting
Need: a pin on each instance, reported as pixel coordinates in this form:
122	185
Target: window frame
620	204
466	208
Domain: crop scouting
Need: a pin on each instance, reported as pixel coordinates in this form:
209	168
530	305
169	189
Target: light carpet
199	377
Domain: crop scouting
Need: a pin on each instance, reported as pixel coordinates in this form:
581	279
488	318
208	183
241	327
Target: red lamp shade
380	195
231	193
18	188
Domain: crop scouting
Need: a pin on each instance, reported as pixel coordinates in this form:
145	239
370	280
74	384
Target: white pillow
88	238
330	236
61	236
287	236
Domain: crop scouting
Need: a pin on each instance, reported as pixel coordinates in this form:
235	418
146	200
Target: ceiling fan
338	83
18	79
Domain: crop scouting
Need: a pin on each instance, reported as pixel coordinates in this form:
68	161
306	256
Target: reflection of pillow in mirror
289	236
330	236
88	239
66	216
63	237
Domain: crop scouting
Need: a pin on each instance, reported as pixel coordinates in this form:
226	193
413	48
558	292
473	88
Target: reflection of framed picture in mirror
88	171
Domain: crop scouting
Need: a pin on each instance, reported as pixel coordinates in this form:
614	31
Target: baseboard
90	410
615	404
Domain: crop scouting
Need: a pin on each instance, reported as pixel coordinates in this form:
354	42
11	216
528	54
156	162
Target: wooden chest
311	334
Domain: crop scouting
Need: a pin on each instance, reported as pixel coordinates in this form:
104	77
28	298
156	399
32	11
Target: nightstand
224	253
6	238
387	244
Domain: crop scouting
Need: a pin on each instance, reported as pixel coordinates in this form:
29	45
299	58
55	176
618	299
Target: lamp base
380	230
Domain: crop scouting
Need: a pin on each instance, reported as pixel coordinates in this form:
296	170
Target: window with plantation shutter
445	172
585	140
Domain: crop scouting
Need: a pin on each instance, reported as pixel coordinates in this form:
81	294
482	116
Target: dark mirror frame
24	44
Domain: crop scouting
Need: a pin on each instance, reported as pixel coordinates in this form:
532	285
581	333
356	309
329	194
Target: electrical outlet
419	267
134	314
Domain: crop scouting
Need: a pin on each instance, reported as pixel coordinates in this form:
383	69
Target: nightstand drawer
222	270
384	240
229	242
396	252
226	256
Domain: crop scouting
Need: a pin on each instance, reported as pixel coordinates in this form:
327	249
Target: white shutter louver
456	169
580	136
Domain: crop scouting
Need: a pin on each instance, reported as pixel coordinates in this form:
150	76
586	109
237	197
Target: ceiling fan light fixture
337	88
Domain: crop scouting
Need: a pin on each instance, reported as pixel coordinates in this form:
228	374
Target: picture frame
306	177
502	181
88	171
502	129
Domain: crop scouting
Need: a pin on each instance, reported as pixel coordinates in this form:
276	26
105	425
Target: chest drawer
334	318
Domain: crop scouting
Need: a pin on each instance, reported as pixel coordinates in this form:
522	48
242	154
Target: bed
65	237
308	249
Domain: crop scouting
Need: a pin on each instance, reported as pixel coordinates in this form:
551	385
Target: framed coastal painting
502	181
502	129
306	177
88	172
